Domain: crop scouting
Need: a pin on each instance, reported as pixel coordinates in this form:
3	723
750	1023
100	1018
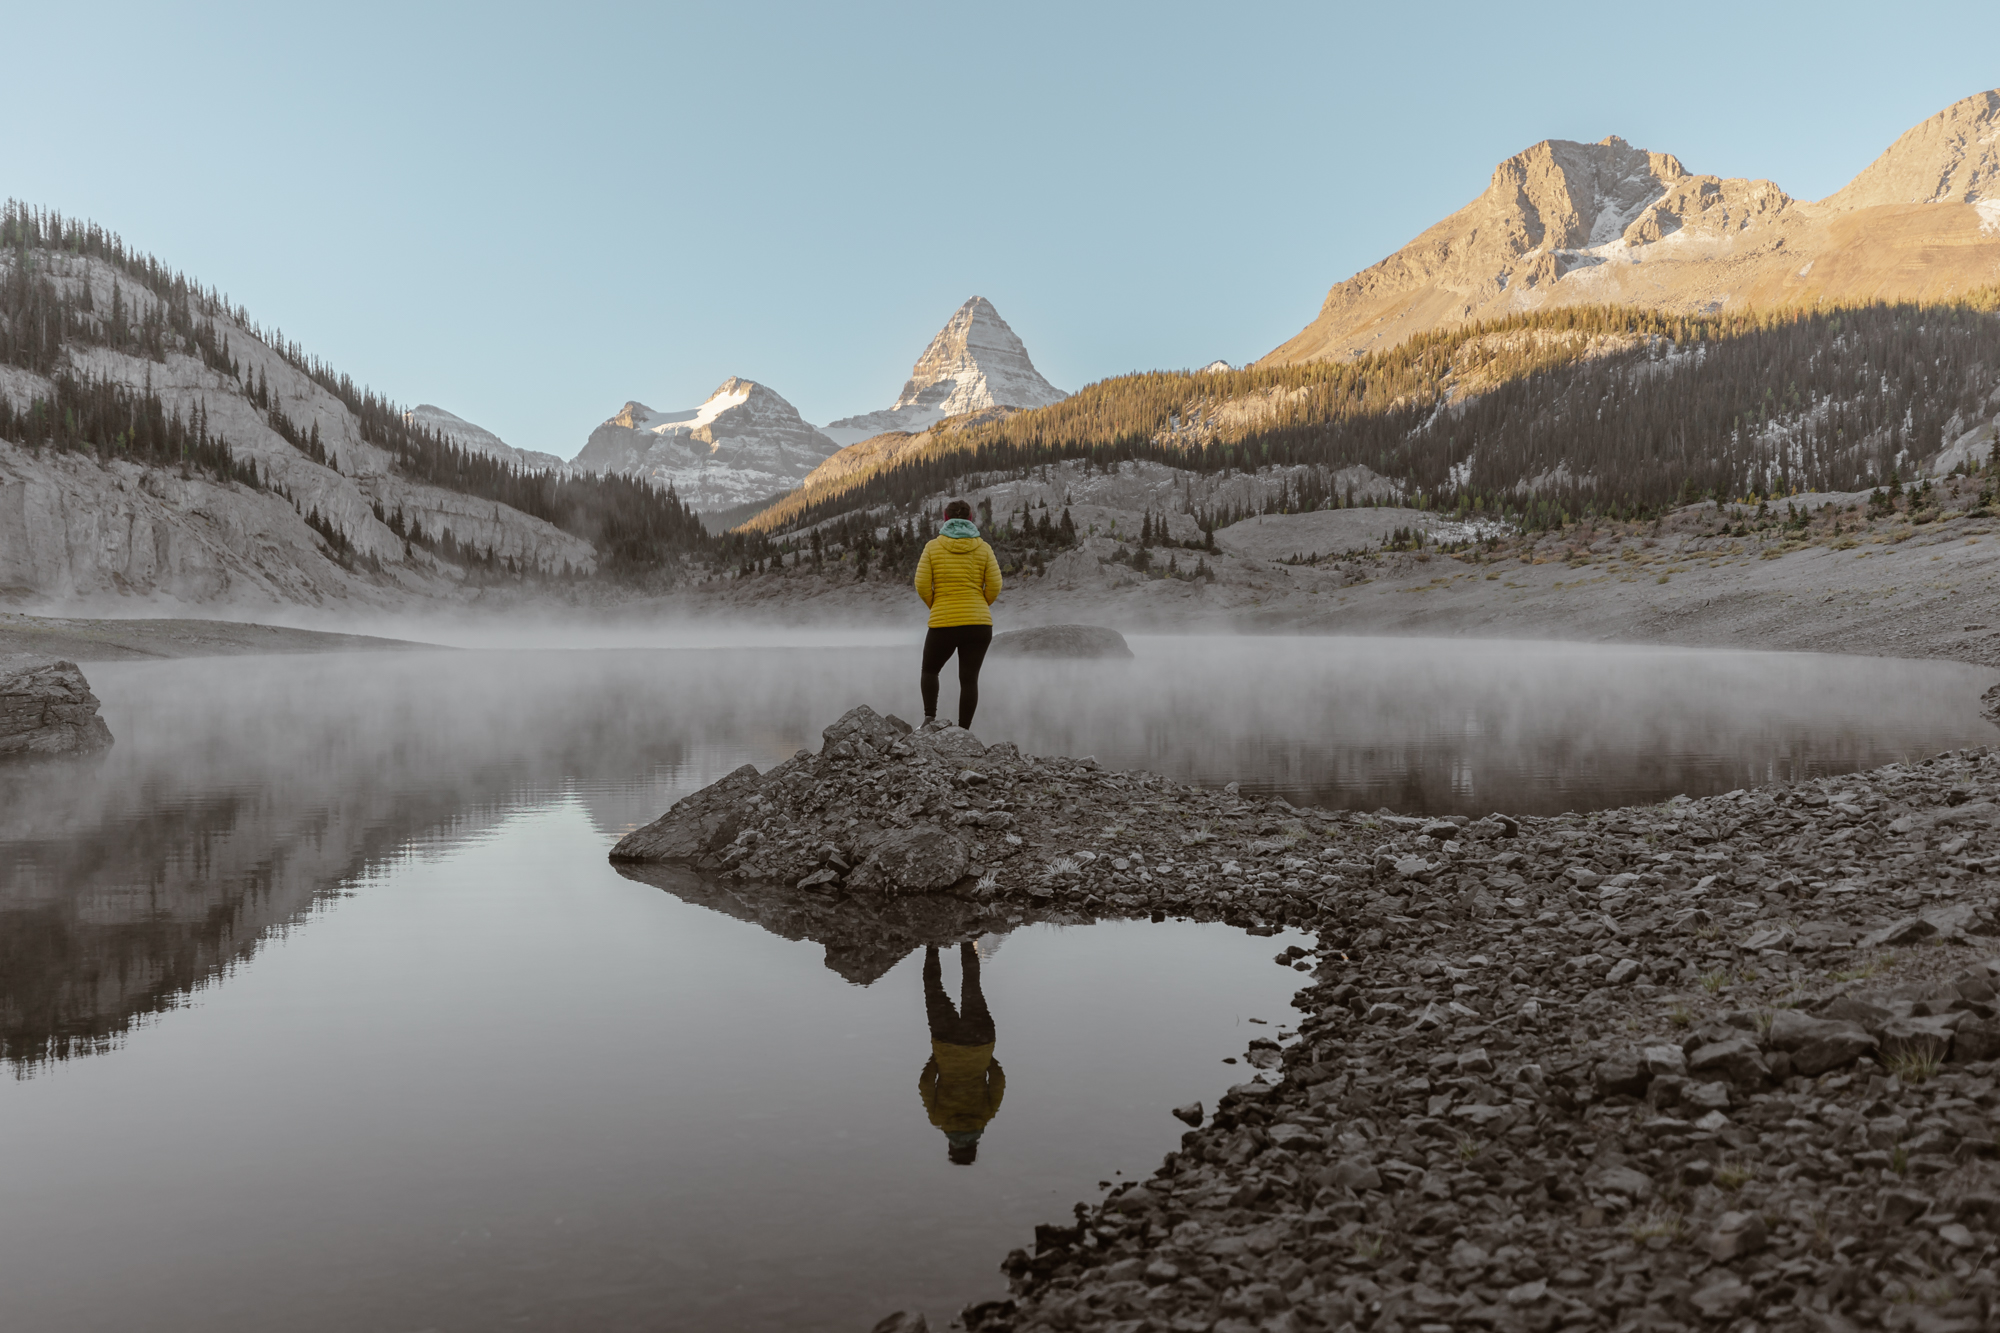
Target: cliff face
77	525
1571	224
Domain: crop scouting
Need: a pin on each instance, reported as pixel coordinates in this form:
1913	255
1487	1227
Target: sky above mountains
530	215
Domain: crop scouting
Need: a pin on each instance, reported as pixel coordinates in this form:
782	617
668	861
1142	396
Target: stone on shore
912	860
46	708
1061	641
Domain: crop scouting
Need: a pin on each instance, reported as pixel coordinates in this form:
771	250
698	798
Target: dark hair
958	509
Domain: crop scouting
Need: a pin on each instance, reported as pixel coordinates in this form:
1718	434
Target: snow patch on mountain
975	363
744	443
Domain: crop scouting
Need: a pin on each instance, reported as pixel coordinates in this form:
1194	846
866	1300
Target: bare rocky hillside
1567	223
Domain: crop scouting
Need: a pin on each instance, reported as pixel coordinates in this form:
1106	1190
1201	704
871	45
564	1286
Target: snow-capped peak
743	443
975	362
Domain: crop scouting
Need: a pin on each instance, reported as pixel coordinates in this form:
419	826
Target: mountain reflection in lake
441	1065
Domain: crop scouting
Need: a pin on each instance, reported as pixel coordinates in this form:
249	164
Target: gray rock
1907	931
1817	1045
1932	1033
862	723
1622	971
1737	1059
904	1321
1357	1173
46	708
1635	1185
919	859
696	826
1664	1060
1724	1299
1900	1207
1735	1235
1083	641
1623	1073
1977	1039
1190	1114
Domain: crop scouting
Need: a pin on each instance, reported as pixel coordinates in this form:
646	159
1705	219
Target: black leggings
969	642
968	1025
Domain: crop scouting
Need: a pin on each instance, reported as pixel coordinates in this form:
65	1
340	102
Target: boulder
919	859
862	723
46	708
1736	1059
697	826
1817	1045
1061	641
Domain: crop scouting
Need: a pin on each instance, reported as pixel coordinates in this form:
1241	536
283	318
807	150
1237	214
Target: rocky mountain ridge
743	444
79	527
1565	223
478	439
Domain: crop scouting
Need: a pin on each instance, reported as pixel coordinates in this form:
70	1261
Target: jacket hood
959	527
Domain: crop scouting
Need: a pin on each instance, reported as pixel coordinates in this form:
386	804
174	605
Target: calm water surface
326	1011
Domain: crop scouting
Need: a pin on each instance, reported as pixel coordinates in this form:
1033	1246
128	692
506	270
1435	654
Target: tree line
1586	409
633	525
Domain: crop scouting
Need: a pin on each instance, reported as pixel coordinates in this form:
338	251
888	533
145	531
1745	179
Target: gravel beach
1713	1062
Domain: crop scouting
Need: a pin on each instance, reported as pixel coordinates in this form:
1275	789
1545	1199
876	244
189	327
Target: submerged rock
1061	641
46	708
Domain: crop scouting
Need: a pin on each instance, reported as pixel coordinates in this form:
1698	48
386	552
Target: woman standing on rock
958	578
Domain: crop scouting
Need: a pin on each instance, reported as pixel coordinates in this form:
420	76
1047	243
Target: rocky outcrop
1751	1038
975	363
745	443
46	708
1566	223
1061	641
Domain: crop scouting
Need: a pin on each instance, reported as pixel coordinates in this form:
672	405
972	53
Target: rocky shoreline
1721	1062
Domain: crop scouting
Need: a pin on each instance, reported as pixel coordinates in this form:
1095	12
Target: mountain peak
477	439
975	363
744	443
1565	223
1951	158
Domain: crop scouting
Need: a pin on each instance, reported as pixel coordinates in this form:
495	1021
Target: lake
326	1010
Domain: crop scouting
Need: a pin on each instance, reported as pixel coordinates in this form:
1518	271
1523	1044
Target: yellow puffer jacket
962	1086
958	578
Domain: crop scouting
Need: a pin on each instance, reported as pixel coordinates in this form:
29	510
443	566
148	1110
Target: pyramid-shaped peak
1951	158
976	362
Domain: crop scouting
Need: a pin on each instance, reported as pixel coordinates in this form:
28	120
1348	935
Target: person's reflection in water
962	1083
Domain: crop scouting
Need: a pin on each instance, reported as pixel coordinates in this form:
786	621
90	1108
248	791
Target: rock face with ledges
1565	223
46	708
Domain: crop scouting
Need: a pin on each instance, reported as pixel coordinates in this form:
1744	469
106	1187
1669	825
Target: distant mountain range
1584	224
746	443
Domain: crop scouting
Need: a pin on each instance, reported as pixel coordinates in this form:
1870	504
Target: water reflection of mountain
242	793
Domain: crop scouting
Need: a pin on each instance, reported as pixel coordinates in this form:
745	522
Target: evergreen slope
48	327
1604	409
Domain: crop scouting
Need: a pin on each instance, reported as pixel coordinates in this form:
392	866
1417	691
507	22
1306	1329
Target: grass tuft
1917	1061
1657	1221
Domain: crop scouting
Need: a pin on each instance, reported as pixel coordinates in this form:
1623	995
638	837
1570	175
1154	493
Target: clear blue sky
528	215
